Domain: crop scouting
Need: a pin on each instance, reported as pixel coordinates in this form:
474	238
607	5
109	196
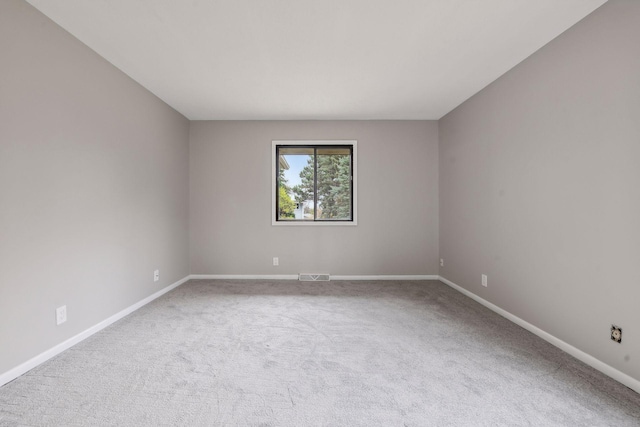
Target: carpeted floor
286	353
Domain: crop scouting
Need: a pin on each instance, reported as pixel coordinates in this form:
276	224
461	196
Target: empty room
320	213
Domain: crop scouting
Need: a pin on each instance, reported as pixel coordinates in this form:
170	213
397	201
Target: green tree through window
286	206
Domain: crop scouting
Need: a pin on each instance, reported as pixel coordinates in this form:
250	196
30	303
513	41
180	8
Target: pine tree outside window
314	182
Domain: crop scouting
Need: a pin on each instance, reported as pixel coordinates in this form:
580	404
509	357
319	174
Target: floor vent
313	277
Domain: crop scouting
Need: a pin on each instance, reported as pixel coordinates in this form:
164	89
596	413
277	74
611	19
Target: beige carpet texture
339	353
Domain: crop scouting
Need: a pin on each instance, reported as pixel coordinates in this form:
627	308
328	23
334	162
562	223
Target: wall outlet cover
61	315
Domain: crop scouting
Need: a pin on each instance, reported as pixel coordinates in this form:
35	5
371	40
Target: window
314	182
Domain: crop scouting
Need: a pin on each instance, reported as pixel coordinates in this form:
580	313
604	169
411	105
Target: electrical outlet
441	262
484	280
61	315
616	334
156	275
276	262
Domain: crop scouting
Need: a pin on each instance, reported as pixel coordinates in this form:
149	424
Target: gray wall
93	187
540	188
230	201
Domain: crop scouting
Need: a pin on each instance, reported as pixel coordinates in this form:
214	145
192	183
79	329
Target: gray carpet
285	353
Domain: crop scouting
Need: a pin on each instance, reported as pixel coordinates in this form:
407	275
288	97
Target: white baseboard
244	276
295	277
387	277
597	364
54	351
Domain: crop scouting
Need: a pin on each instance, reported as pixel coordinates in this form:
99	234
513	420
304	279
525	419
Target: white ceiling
315	59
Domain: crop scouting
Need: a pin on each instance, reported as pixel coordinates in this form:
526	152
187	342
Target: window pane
295	183
334	183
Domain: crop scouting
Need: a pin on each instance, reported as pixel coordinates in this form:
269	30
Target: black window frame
351	145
